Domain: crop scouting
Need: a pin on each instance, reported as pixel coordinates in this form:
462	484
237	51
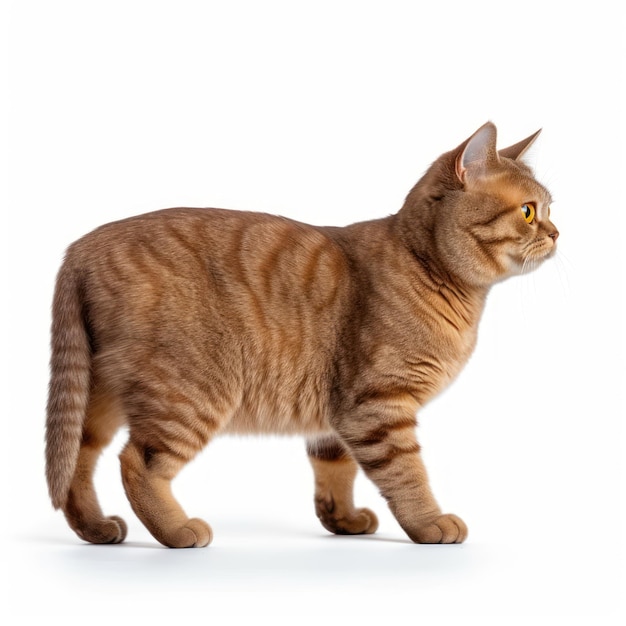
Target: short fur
186	323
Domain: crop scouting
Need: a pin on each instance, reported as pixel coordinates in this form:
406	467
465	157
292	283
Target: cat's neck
381	248
419	240
416	227
421	308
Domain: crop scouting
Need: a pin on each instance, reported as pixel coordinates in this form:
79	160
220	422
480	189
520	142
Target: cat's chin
531	262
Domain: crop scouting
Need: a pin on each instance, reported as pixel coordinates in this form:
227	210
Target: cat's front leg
335	471
383	441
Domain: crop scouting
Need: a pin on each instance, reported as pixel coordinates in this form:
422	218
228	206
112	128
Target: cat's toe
107	530
364	522
446	528
196	533
357	522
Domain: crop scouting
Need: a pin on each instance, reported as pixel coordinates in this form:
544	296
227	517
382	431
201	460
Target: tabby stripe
387	396
326	449
267	268
495	218
144	262
392	455
493	240
381	433
309	274
178	437
485	251
185	244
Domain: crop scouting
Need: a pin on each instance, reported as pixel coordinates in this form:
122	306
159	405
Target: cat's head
481	212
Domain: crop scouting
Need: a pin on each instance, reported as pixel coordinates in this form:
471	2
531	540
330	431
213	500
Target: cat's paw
360	522
196	533
106	530
356	522
446	528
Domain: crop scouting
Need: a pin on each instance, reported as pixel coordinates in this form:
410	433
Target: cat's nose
554	235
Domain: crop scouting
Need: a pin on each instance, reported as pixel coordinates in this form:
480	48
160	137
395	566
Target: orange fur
187	323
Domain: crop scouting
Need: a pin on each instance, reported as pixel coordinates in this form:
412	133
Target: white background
328	112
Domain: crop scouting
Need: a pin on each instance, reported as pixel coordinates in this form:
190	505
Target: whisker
563	275
527	292
564	259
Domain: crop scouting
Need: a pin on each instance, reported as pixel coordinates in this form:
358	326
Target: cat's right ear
518	150
477	152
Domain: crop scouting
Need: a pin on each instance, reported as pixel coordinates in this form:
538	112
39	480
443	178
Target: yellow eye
528	211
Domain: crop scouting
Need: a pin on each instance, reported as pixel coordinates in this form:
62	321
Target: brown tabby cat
186	323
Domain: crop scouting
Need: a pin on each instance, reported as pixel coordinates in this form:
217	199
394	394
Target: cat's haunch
186	323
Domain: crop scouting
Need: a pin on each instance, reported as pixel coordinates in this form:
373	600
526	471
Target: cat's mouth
536	253
532	255
542	249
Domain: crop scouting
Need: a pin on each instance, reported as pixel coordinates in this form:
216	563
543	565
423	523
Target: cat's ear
517	150
477	152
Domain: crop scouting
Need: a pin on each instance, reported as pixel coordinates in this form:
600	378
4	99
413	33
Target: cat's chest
426	349
447	337
433	360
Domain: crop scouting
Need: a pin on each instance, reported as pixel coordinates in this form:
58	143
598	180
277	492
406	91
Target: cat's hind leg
147	474
335	471
168	426
82	509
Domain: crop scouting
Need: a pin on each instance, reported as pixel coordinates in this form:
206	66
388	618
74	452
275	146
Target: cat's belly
264	414
284	395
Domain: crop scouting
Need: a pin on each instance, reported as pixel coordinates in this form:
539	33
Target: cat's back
205	232
175	230
268	264
256	302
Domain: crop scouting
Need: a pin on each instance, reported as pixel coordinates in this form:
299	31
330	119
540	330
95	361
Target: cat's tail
70	378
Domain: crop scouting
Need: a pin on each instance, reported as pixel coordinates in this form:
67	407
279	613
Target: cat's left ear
478	152
518	150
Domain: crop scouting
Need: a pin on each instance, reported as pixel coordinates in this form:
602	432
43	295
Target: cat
185	323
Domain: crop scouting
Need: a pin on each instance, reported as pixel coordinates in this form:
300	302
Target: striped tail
70	378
